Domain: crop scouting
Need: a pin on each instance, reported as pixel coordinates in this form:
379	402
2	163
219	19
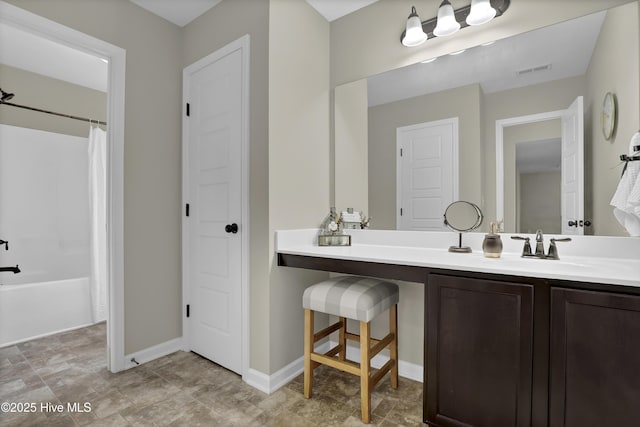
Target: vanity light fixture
449	21
414	35
481	12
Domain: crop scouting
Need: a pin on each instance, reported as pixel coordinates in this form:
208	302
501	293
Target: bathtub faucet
5	243
15	269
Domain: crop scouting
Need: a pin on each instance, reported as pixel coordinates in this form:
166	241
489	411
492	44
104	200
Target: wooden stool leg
343	339
308	349
393	328
365	372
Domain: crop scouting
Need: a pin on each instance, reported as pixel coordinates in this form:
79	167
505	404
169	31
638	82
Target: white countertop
607	260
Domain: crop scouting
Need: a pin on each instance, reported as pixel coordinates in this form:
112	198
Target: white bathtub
34	310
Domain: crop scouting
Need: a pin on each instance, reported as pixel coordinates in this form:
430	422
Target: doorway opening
21	20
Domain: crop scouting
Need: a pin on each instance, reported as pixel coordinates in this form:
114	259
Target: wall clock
608	115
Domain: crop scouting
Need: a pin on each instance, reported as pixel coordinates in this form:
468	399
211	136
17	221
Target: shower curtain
98	214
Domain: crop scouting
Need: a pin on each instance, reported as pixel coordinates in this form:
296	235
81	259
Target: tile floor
181	389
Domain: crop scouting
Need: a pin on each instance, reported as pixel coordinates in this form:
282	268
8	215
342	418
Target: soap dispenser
492	243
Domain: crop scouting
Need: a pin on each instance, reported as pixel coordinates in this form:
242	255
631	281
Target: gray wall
614	68
539	206
464	103
36	90
551	96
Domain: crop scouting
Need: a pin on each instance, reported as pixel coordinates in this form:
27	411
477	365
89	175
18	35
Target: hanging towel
626	200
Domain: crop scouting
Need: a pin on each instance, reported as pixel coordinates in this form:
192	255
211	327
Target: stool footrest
343	365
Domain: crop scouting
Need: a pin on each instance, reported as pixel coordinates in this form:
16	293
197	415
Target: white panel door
427	173
572	203
215	197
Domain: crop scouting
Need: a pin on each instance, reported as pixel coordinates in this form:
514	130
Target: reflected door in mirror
427	175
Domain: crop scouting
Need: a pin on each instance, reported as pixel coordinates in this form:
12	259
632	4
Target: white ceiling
24	50
567	47
181	12
334	9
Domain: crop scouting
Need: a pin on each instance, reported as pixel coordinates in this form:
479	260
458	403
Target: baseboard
152	353
270	383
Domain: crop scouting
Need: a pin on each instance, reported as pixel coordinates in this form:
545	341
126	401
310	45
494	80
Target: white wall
44	205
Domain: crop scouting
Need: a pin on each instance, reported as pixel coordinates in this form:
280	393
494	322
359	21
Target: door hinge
188	110
187	209
400	211
188	310
401	152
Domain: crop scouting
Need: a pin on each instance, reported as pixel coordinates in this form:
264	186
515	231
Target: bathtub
35	310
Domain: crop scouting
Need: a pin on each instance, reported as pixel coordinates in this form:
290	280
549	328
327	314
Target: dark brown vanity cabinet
478	352
594	359
511	351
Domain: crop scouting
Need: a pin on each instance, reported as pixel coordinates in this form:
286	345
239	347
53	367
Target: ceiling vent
532	70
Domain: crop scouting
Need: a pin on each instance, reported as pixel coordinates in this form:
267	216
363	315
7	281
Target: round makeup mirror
462	216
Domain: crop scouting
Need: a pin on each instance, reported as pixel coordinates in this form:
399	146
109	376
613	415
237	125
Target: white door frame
35	24
454	121
242	44
500	125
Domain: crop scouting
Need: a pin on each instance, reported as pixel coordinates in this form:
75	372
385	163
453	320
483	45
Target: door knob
573	223
231	228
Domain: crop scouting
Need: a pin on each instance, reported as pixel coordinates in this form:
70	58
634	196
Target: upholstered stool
358	298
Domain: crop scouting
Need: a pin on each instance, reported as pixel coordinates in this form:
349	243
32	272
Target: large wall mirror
539	72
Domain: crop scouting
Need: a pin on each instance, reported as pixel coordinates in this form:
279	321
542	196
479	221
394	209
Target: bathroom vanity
509	341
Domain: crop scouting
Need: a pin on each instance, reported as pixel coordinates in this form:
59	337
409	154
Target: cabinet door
595	359
479	352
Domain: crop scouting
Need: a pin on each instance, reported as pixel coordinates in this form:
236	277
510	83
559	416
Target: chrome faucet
539	244
539	253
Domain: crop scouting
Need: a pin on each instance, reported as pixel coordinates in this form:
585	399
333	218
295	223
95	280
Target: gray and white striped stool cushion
353	297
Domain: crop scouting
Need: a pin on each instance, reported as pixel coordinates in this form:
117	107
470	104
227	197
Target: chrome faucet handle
526	250
539	244
553	250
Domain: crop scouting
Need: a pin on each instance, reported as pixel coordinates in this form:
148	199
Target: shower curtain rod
69	116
